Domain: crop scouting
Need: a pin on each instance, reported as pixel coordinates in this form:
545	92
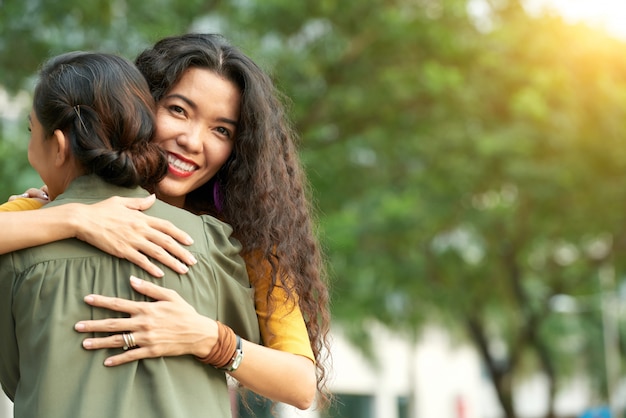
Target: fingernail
192	260
89	299
87	344
108	362
183	268
135	280
79	326
189	240
24	195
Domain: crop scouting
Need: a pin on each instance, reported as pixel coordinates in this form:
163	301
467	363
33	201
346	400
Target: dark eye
177	109
224	131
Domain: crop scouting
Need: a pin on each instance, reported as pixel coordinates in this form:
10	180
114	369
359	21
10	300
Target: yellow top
285	330
22	203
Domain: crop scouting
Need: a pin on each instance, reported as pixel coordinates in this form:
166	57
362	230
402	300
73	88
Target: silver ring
129	341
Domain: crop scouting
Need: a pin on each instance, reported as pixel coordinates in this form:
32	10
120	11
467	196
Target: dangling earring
217	195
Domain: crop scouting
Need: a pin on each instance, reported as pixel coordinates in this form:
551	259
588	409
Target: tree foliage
464	174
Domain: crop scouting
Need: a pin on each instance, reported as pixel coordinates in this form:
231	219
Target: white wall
6	407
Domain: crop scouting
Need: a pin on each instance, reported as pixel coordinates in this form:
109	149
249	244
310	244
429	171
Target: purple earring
217	196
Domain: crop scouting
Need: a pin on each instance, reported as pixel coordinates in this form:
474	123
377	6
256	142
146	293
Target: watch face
237	357
237	360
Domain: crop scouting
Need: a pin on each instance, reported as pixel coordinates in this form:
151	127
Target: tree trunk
548	369
500	372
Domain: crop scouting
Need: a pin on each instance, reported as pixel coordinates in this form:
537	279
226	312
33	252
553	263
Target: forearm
27	229
278	375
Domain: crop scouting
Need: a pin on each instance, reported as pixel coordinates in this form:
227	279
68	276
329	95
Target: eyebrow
184	99
194	106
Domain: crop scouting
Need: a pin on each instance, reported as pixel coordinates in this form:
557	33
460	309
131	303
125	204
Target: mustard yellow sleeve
21	203
282	328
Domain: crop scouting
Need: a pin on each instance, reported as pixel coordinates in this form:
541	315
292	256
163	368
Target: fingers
144	263
17	196
153	291
117	341
139	203
130	355
40	194
171	231
164	249
162	225
165	326
130	307
112	341
154	238
114	304
126	232
110	325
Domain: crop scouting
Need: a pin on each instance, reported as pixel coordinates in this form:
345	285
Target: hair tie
77	110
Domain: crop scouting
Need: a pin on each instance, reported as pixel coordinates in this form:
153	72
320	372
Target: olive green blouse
45	370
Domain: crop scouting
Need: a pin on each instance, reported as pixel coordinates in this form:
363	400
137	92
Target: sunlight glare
607	14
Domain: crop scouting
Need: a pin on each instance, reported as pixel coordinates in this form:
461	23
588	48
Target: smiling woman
198	138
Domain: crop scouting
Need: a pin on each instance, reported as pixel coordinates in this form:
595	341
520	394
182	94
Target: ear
60	147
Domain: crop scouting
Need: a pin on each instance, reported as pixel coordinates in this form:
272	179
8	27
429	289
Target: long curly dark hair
263	192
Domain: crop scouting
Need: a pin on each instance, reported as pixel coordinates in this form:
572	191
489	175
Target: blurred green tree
466	168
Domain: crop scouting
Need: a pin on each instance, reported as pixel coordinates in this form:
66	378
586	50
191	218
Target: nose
191	140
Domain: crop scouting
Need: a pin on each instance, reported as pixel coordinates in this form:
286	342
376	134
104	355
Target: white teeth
181	165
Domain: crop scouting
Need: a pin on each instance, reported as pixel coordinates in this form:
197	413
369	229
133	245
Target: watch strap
235	361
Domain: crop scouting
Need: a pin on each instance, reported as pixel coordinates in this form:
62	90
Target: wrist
202	348
226	354
73	219
236	359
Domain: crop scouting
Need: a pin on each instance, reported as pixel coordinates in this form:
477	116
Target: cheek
227	151
159	135
164	129
220	154
32	154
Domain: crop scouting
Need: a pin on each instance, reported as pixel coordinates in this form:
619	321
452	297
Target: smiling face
196	123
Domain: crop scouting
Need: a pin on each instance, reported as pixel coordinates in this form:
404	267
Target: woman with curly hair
231	154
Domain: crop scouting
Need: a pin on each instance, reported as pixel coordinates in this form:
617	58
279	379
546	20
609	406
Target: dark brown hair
102	102
263	194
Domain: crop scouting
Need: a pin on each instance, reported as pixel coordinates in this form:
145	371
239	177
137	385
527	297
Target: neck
178	201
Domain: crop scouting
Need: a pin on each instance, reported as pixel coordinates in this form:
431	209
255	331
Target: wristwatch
234	363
